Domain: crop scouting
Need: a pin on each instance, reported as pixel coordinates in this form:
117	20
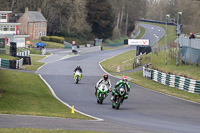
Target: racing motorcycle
119	96
77	76
102	93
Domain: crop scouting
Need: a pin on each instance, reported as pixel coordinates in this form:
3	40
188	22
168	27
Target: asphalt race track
145	109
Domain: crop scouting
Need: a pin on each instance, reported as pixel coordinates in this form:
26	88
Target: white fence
193	43
24	53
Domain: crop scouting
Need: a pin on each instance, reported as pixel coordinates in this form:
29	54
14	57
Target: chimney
39	10
26	9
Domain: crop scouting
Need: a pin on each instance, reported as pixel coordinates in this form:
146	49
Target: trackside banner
138	42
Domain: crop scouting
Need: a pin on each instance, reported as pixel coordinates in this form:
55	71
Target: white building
9	31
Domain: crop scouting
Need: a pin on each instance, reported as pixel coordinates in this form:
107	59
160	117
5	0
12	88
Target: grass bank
26	94
31	130
49	44
8	57
142	32
34	62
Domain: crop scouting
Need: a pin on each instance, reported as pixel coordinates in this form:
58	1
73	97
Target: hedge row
53	39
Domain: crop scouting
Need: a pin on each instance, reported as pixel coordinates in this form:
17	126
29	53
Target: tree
100	18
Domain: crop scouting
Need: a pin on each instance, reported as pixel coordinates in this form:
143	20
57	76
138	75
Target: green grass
34	62
158	62
123	61
142	32
31	130
117	40
50	44
8	57
26	94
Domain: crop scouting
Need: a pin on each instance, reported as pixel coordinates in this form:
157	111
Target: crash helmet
78	66
105	76
124	79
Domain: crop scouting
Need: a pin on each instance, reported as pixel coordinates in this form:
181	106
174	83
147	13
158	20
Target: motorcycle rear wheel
118	103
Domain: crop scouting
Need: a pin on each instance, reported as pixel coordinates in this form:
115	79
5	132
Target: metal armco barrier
182	83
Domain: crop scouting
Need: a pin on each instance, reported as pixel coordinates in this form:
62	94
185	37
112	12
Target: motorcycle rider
124	80
78	68
104	80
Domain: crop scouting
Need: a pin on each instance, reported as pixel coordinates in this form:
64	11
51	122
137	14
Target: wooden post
190	58
195	60
181	58
185	57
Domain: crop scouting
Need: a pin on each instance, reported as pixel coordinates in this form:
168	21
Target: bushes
53	39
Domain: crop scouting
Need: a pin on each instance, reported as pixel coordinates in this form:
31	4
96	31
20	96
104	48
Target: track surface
145	109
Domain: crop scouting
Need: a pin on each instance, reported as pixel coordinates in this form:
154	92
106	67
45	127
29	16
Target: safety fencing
13	64
186	42
24	53
182	83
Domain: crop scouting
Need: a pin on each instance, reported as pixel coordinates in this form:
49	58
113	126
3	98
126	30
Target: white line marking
66	104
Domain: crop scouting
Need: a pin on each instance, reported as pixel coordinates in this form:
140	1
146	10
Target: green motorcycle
102	93
77	76
119	96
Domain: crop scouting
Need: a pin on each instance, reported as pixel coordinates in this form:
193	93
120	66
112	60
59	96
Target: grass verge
120	62
142	32
31	130
8	57
34	62
50	44
26	94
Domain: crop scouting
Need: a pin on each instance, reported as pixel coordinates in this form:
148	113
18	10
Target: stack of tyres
13	49
13	64
26	60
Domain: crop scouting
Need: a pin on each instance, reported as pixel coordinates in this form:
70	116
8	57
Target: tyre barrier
24	53
11	64
179	82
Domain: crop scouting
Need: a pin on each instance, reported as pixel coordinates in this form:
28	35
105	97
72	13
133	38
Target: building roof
5	12
36	16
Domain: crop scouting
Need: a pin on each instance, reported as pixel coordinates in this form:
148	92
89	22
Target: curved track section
149	110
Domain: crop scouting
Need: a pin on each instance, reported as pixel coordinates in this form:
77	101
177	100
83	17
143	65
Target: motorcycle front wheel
77	79
101	98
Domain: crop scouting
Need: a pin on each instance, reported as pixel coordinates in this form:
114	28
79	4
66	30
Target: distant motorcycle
119	96
102	93
77	76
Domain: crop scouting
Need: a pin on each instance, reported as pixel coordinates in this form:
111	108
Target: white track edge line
66	104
